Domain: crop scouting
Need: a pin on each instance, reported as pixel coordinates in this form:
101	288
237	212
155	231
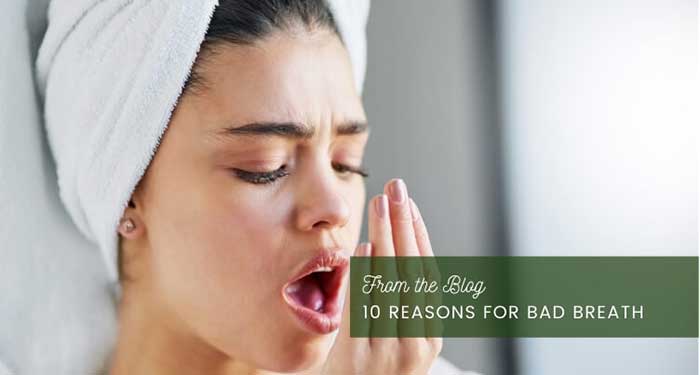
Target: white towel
111	72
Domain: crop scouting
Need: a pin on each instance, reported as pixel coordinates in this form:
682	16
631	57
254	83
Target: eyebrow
291	130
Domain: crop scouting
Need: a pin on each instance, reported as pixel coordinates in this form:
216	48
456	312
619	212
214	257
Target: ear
131	226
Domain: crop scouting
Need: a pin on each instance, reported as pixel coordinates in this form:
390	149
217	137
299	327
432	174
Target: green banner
524	296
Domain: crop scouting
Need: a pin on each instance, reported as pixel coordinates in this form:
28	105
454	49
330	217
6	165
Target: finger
379	227
379	231
405	245
421	232
356	307
411	269
433	327
401	220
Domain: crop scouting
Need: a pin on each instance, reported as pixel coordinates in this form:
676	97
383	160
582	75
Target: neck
151	341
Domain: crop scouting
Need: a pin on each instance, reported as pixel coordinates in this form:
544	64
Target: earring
127	225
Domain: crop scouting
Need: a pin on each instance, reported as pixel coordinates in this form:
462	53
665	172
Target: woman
234	245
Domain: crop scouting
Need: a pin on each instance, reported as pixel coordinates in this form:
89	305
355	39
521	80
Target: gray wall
596	105
428	99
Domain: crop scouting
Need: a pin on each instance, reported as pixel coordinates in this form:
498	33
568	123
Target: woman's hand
395	229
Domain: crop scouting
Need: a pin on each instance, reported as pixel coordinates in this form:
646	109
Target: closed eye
344	168
268	177
262	178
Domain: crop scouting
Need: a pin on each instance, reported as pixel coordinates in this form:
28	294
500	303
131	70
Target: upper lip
333	258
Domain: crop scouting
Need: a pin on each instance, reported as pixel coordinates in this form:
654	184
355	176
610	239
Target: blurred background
543	127
538	127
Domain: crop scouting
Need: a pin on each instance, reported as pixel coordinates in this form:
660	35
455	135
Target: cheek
242	229
356	200
209	240
217	233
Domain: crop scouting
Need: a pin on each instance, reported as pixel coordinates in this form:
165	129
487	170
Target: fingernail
397	190
381	205
415	213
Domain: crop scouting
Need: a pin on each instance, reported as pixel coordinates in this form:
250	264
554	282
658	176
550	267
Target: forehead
304	77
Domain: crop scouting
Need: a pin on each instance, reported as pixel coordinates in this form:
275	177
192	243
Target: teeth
324	269
293	288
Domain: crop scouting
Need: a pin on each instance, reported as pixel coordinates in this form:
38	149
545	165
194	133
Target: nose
321	204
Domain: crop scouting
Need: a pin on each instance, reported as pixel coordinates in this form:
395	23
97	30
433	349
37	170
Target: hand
395	229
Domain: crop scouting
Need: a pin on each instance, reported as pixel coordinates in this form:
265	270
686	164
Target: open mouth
314	294
312	290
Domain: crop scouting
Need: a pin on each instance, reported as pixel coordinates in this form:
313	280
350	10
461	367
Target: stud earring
127	225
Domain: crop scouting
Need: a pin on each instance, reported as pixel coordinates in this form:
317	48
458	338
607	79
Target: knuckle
422	236
402	217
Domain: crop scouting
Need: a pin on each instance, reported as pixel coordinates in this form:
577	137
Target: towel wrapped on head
111	72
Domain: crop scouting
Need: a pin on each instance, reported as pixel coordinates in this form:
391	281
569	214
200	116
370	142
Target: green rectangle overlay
524	296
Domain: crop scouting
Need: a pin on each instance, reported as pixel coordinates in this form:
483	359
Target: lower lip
318	322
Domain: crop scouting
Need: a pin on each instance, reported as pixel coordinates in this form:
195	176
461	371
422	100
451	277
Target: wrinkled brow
290	130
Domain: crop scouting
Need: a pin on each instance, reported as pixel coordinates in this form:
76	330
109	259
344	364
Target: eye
262	178
345	169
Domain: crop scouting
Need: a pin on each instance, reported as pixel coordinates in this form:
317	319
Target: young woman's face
251	182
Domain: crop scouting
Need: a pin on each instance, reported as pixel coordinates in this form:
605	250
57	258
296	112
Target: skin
204	267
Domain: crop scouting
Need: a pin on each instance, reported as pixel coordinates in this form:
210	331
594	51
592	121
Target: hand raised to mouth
396	228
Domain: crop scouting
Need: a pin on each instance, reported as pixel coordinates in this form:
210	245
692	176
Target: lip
328	320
